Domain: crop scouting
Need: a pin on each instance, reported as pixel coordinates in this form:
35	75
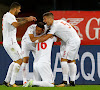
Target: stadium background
70	10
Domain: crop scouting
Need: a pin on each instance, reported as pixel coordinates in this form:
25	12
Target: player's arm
23	21
58	39
20	19
44	38
24	18
47	36
33	38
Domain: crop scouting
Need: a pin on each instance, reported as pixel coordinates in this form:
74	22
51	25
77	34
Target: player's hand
31	18
34	18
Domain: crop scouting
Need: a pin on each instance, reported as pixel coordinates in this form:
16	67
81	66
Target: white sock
8	76
14	73
43	84
72	70
24	71
65	71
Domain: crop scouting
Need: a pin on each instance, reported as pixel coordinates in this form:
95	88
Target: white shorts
42	71
26	48
13	50
69	51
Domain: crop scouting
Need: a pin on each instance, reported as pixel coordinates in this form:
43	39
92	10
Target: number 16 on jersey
42	45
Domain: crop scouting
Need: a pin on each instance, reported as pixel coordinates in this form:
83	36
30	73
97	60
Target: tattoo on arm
20	19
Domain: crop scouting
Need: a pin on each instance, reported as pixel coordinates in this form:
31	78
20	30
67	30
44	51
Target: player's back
64	30
8	30
43	51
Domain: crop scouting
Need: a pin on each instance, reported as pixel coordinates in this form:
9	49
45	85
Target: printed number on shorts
42	45
66	24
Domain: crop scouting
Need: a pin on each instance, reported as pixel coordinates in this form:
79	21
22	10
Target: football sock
72	70
24	71
8	76
14	73
65	71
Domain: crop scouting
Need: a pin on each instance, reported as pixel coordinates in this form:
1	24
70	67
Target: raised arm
22	21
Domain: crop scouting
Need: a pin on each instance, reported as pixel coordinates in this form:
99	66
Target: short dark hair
48	14
15	5
40	24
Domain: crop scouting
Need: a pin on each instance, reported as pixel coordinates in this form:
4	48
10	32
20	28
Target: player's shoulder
6	15
32	26
57	22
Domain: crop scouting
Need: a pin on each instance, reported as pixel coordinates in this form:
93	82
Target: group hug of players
39	39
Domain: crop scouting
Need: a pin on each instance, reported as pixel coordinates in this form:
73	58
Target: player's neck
12	12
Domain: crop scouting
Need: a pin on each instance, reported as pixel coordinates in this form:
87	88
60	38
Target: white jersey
43	50
64	30
31	30
8	30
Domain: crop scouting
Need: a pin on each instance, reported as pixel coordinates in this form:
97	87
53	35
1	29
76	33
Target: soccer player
69	46
9	26
35	30
42	65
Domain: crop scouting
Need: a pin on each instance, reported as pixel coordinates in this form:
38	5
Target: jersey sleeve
30	29
10	19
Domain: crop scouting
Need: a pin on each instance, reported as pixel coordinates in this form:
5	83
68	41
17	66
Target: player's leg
25	54
26	48
46	75
25	69
36	75
25	65
15	72
33	83
15	54
64	65
72	56
65	72
43	70
72	71
9	73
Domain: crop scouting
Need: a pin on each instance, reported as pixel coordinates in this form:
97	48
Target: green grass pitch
77	87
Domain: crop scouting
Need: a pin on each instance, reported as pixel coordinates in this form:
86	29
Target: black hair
15	5
40	24
48	14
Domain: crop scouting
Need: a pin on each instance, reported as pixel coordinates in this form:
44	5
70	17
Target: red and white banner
86	23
